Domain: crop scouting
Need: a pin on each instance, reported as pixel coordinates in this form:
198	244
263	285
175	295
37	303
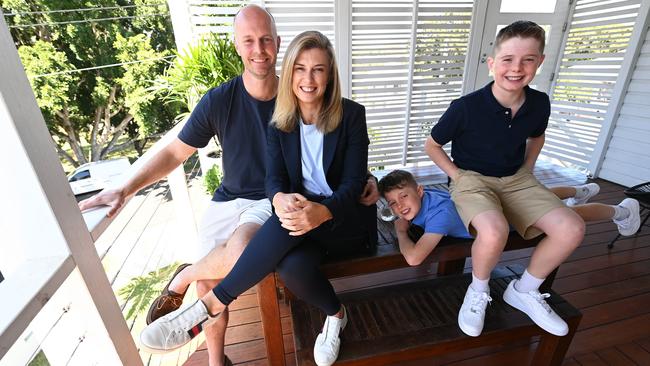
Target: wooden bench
417	320
450	255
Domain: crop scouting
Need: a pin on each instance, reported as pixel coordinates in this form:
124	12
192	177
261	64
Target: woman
316	170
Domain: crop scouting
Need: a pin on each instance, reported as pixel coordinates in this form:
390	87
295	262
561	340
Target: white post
472	59
181	22
409	88
46	194
560	54
620	88
343	42
180	15
184	211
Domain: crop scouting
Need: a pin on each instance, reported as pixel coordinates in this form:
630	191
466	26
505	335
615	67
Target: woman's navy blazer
345	160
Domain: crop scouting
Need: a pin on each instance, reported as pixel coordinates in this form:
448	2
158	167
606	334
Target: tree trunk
71	136
117	132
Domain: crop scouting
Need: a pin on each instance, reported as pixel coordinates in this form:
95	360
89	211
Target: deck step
416	320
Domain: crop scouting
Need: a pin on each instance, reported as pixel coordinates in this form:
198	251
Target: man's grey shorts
221	219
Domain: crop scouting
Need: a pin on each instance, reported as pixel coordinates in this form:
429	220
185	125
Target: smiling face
256	42
514	64
406	201
311	73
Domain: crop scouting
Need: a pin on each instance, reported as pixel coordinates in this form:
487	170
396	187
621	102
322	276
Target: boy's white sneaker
328	343
472	313
175	329
629	225
534	305
592	190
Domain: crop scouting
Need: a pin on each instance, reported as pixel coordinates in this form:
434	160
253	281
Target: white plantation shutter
598	36
213	16
406	89
291	18
627	149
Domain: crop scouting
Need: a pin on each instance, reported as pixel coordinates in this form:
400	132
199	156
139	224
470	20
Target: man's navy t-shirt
484	136
239	121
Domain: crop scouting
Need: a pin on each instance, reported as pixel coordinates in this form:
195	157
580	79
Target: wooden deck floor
611	288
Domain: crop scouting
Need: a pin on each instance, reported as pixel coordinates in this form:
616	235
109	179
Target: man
238	113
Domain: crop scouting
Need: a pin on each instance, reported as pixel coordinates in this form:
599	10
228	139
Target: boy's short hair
521	29
395	180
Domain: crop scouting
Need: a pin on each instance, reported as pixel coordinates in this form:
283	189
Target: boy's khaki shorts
521	198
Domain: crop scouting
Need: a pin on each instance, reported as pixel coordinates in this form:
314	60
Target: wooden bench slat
415	320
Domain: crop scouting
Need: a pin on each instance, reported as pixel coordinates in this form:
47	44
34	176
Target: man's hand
370	194
401	225
310	216
113	197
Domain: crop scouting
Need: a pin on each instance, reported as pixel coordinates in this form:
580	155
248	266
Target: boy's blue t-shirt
240	123
438	215
484	136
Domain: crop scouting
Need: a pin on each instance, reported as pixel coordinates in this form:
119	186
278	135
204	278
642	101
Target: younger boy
434	211
497	133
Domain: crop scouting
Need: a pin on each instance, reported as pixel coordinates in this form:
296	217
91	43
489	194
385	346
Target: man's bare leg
218	262
215	333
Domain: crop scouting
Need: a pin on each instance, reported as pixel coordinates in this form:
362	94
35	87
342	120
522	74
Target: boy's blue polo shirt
484	137
438	215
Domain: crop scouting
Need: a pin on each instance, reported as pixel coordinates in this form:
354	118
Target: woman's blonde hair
287	113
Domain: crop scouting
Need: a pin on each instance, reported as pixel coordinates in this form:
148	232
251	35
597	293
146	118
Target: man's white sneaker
592	190
175	329
326	348
629	225
534	305
472	313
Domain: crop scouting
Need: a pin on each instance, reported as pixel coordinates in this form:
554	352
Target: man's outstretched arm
163	163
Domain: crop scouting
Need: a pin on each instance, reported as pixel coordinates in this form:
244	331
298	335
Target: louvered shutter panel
399	118
212	16
598	36
291	18
627	160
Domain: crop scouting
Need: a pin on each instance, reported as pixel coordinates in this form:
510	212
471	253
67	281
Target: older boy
497	133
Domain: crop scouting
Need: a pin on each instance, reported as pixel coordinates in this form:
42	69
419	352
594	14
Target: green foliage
137	80
39	360
52	91
94	107
141	290
212	179
212	61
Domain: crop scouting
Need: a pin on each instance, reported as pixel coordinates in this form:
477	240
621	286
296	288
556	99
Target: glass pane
528	6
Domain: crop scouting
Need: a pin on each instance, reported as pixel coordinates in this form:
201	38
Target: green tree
98	106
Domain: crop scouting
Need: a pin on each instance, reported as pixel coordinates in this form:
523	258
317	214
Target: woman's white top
311	153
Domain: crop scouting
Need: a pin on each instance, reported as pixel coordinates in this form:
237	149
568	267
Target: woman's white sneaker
175	329
534	305
328	343
472	313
